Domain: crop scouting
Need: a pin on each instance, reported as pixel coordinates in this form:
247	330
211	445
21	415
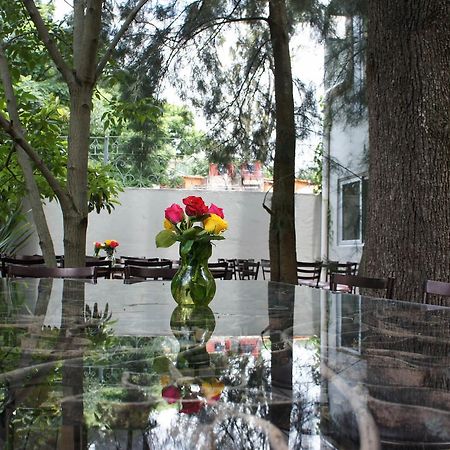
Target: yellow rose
212	390
108	242
215	224
168	225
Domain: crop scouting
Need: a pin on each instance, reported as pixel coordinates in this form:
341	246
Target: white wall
347	144
139	217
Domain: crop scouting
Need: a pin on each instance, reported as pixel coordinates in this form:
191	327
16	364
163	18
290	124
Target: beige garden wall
135	222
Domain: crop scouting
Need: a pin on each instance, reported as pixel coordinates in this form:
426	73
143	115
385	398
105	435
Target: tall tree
282	244
408	224
80	72
239	96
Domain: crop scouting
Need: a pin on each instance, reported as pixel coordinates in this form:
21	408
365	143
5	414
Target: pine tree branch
49	43
104	60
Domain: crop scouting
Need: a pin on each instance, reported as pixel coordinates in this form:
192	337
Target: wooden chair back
265	268
148	263
220	270
139	258
247	269
355	281
432	287
308	273
345	268
231	266
24	260
15	271
103	266
141	273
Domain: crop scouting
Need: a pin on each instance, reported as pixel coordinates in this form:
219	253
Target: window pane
351	211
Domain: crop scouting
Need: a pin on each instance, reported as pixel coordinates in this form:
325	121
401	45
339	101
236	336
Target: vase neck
198	253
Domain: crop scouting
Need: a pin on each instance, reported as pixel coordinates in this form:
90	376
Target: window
352	204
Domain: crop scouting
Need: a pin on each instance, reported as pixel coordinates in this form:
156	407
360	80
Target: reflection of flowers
192	394
109	246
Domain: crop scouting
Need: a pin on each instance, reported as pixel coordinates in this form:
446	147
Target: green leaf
165	238
185	247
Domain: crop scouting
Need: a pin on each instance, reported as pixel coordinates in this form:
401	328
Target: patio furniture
355	281
15	271
308	273
142	273
265	269
247	269
220	270
433	287
147	262
344	268
24	260
266	363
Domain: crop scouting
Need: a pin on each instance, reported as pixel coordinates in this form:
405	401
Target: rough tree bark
282	244
408	226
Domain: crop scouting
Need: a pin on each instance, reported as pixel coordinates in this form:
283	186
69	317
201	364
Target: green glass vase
193	284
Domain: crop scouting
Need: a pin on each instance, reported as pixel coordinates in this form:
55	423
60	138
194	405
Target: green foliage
314	172
103	188
153	141
14	232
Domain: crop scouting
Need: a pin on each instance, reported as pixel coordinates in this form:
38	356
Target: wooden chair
148	263
140	258
343	268
141	273
220	270
15	271
24	260
265	268
355	281
103	266
432	287
308	273
247	269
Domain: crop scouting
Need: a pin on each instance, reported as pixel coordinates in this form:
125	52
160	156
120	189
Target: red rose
174	213
191	406
98	245
195	206
213	209
113	244
171	394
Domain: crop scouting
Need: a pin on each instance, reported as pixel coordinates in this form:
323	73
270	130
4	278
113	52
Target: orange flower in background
109	246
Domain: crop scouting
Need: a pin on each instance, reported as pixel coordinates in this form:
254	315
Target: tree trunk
282	245
33	194
408	225
76	216
37	210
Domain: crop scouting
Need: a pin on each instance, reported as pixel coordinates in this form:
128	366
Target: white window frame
341	240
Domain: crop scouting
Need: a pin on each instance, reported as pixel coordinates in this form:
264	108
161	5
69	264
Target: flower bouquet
194	228
109	246
192	394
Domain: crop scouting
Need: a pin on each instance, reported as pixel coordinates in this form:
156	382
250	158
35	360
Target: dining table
112	365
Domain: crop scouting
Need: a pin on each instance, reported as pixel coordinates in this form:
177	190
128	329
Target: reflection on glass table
265	366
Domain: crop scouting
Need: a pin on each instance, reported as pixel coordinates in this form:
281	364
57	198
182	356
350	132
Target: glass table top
266	366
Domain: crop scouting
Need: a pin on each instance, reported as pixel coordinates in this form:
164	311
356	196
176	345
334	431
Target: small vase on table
194	228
